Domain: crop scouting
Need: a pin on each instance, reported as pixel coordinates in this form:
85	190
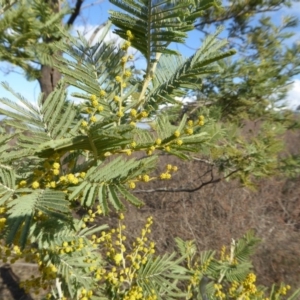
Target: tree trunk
49	75
48	80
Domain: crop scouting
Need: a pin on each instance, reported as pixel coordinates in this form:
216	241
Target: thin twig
186	190
235	15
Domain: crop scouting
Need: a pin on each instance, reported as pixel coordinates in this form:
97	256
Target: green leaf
129	197
113	198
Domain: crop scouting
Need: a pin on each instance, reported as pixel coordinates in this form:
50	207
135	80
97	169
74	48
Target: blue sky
96	14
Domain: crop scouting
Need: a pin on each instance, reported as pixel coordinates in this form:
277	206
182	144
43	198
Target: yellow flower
145	178
189	131
117	98
118	258
149	152
201	123
118	79
17	249
120	114
95	103
93	98
93	119
177	133
55	172
63	179
35	185
133	112
75	181
179	142
102	93
70	177
128	152
158	141
100	108
144	114
190	123
127	73
124	59
129	35
163	176
82	174
53	184
126	45
22	183
56	165
84	123
132	185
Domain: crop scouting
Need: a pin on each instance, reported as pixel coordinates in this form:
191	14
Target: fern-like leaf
22	208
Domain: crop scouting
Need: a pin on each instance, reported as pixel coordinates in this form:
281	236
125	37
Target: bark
12	283
49	75
48	80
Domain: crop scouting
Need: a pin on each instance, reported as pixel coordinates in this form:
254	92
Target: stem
151	67
58	287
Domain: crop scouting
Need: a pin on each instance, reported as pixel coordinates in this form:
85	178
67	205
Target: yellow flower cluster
46	176
125	264
136	116
284	289
126	45
91	215
205	265
136	293
85	295
93	109
70	179
245	289
177	133
218	291
29	254
201	120
132	184
189	130
118	78
167	174
22	183
129	34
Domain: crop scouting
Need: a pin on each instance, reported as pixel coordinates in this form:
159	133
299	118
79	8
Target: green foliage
23	35
68	163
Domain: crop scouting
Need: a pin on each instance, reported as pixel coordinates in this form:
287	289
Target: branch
92	4
75	13
233	15
187	190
